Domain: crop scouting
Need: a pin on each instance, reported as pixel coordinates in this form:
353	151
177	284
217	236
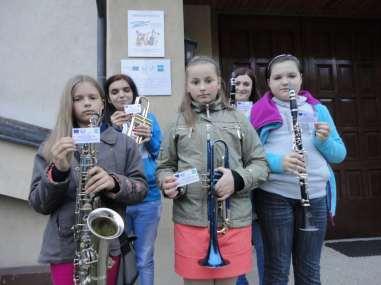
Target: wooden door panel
352	142
366	80
365	45
374	178
347	115
261	41
373	145
345	79
342	41
330	104
370	111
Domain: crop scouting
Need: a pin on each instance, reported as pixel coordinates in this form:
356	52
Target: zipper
207	111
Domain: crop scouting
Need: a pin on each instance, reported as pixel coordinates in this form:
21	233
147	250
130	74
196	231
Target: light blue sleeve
333	148
153	146
275	162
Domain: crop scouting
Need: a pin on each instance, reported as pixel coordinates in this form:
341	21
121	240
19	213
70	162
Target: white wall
15	169
164	107
21	233
43	43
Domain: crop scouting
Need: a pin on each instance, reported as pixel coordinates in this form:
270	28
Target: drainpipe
101	41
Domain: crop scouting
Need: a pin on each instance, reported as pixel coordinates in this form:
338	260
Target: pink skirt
62	273
192	243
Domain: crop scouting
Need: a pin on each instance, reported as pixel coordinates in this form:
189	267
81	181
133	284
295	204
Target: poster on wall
151	76
145	33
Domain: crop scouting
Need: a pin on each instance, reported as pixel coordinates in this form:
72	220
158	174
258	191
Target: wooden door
342	64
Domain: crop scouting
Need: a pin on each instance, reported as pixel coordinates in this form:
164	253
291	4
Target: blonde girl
118	177
205	109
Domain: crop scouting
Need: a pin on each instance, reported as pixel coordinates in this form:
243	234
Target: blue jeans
280	220
256	240
143	220
258	244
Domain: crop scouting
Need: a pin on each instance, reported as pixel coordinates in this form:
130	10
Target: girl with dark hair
142	219
246	85
246	92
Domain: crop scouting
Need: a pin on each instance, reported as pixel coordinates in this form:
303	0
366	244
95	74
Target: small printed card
244	107
187	177
133	109
86	135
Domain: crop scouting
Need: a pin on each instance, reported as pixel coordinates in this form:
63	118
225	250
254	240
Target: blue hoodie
265	117
149	159
149	152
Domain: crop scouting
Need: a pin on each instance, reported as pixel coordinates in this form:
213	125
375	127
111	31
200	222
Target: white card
133	109
244	107
86	135
187	177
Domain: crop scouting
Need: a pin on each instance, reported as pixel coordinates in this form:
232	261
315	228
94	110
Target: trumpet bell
213	258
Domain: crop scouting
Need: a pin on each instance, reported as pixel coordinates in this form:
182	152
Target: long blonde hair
186	104
65	118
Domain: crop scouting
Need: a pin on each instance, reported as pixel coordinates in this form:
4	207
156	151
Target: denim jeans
256	240
280	220
258	245
143	220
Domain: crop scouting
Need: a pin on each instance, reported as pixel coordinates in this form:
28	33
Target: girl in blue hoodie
278	199
142	219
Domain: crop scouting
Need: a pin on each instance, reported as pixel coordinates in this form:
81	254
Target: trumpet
216	209
138	119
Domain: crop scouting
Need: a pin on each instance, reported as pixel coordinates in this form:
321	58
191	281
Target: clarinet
298	148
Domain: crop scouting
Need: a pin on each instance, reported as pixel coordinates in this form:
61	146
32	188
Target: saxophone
94	227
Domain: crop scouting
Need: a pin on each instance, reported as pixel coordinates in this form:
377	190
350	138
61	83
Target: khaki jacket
187	148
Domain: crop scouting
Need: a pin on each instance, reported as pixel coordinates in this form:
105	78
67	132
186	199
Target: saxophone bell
105	223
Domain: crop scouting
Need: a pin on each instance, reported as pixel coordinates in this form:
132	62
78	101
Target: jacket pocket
65	220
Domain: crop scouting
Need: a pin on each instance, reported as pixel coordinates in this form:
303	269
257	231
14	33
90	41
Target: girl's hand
119	118
61	152
169	187
99	180
322	130
293	163
143	131
225	185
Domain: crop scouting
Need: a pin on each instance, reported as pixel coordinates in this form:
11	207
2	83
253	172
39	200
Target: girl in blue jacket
278	200
142	219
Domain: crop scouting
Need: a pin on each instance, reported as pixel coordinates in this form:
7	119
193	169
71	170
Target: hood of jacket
265	112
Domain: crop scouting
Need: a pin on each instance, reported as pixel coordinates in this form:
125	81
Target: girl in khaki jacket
118	177
205	110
